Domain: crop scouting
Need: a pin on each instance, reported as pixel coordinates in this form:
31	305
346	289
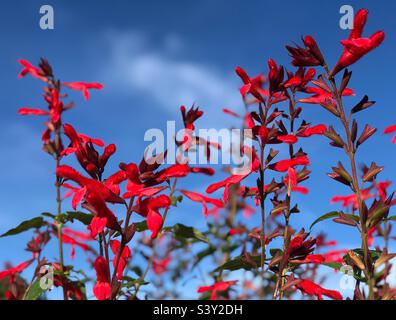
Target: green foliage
34	223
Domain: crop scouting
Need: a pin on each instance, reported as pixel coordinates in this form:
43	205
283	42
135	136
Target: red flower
32	112
102	288
124	257
311	258
320	96
174	171
189	117
318	129
252	86
230	112
335	255
207	171
113	182
291	181
83	147
103	216
149	208
69	236
299	247
300	79
55	109
134	185
88	185
356	46
217	287
391	129
34	71
231	180
237	231
15	270
370	235
352	199
160	266
382	187
289	138
194	196
308	56
284	165
83	86
312	289
275	76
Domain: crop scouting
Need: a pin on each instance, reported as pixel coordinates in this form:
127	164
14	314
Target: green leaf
140	226
375	254
35	291
176	199
185	232
131	282
334	214
37	222
240	262
137	270
229	248
329	215
49	215
84	218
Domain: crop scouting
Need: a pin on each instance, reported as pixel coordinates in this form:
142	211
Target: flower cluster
250	222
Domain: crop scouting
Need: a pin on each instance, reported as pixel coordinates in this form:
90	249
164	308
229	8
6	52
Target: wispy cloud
158	70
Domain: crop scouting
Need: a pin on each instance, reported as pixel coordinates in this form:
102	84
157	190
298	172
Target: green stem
59	212
350	150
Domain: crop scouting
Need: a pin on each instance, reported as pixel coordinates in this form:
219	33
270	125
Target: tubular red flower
83	86
113	182
352	199
382	187
335	255
194	196
231	180
174	171
30	69
250	86
275	77
311	258
102	288
103	215
124	257
312	289
320	96
189	117
160	266
310	131
217	287
15	270
391	129
230	112
207	171
69	235
289	138
34	112
149	208
91	185
356	46
284	165
308	56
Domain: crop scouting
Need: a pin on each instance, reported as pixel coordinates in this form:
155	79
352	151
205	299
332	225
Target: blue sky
153	56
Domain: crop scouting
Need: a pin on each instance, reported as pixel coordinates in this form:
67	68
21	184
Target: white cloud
159	72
